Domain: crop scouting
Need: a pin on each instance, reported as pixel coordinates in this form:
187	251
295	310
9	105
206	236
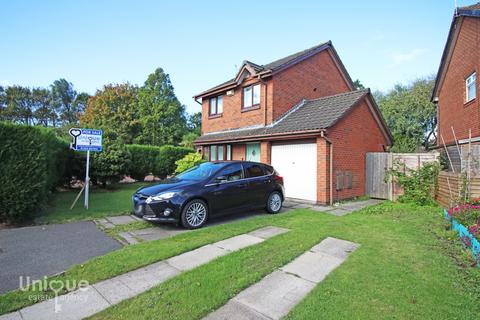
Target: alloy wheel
196	214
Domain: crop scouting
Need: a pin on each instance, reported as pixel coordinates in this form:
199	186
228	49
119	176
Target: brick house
455	90
303	115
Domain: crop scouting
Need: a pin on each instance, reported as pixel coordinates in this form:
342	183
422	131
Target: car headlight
161	196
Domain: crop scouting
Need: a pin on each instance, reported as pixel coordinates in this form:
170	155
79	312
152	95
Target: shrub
143	159
189	161
111	164
32	164
418	185
165	163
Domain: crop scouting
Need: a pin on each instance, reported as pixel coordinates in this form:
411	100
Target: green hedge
159	161
32	163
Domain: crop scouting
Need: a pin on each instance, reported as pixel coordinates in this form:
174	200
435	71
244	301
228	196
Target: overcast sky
202	43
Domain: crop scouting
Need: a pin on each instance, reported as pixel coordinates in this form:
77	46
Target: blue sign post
86	140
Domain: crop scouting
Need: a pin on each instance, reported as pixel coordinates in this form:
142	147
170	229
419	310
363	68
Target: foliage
165	163
194	122
469	215
358	84
410	115
33	162
114	110
59	104
161	114
188	139
144	159
111	164
189	161
418	184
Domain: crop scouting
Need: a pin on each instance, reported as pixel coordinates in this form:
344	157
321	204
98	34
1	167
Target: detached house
456	85
301	114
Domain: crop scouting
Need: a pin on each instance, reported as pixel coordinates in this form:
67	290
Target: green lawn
102	203
405	268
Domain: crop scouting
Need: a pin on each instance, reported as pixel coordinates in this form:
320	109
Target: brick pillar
265	152
323	171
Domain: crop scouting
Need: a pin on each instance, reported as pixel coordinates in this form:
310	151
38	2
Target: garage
297	164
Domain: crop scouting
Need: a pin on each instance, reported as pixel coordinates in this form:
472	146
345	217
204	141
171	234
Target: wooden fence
378	184
449	188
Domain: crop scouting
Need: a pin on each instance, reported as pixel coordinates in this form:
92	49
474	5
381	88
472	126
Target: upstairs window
216	105
251	96
471	87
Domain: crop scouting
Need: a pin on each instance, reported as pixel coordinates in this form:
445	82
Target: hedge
159	161
32	163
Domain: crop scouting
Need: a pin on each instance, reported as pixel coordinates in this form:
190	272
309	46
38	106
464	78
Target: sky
203	43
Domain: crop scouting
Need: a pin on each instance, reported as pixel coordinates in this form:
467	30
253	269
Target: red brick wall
233	116
315	77
323	171
353	136
452	110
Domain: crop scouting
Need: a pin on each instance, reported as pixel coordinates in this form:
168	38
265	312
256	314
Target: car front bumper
167	211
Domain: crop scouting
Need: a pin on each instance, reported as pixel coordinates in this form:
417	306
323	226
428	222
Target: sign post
86	140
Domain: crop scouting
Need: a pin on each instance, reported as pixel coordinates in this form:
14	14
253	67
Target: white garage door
297	164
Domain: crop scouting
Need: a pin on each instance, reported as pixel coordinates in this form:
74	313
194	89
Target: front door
253	152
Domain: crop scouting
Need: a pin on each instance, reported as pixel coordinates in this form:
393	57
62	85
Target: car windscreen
200	172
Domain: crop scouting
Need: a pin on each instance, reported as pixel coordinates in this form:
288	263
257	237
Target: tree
161	114
19	104
115	110
188	138
3	102
358	85
68	103
42	101
410	114
194	122
111	164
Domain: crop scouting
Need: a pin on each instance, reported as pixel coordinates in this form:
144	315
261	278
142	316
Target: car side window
268	170
231	173
254	170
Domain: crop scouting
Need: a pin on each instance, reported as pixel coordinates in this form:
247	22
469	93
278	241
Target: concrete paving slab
268	232
145	278
114	290
72	306
11	316
156	233
119	220
128	237
313	266
339	212
234	310
335	247
275	295
197	257
322	208
238	242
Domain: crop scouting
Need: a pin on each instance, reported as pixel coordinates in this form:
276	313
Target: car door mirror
220	179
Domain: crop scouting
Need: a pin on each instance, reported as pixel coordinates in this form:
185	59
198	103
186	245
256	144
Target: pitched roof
468	11
275	65
308	115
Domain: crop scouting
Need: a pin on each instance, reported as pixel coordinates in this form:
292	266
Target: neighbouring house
301	114
455	91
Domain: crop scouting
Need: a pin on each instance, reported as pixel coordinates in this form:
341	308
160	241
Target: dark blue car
211	189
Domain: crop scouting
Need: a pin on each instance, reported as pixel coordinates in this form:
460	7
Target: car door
228	194
258	183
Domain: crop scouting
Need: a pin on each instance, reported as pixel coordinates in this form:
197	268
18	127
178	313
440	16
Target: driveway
46	250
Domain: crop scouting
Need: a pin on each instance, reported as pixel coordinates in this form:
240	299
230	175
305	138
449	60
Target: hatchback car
211	189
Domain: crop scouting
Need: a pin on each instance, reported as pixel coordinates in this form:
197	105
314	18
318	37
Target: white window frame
249	101
215	106
471	85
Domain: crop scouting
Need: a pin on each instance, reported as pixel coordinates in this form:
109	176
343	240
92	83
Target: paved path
339	210
85	302
276	294
41	251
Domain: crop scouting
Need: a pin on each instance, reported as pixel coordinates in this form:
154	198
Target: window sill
254	107
214	116
469	102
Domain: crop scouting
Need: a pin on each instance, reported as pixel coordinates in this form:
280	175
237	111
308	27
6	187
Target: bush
165	163
418	185
189	161
32	164
111	164
143	159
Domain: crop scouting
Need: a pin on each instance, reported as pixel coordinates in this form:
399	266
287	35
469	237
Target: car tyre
274	202
194	214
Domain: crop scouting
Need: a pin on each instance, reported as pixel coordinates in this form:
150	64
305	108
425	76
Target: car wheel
274	202
194	214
